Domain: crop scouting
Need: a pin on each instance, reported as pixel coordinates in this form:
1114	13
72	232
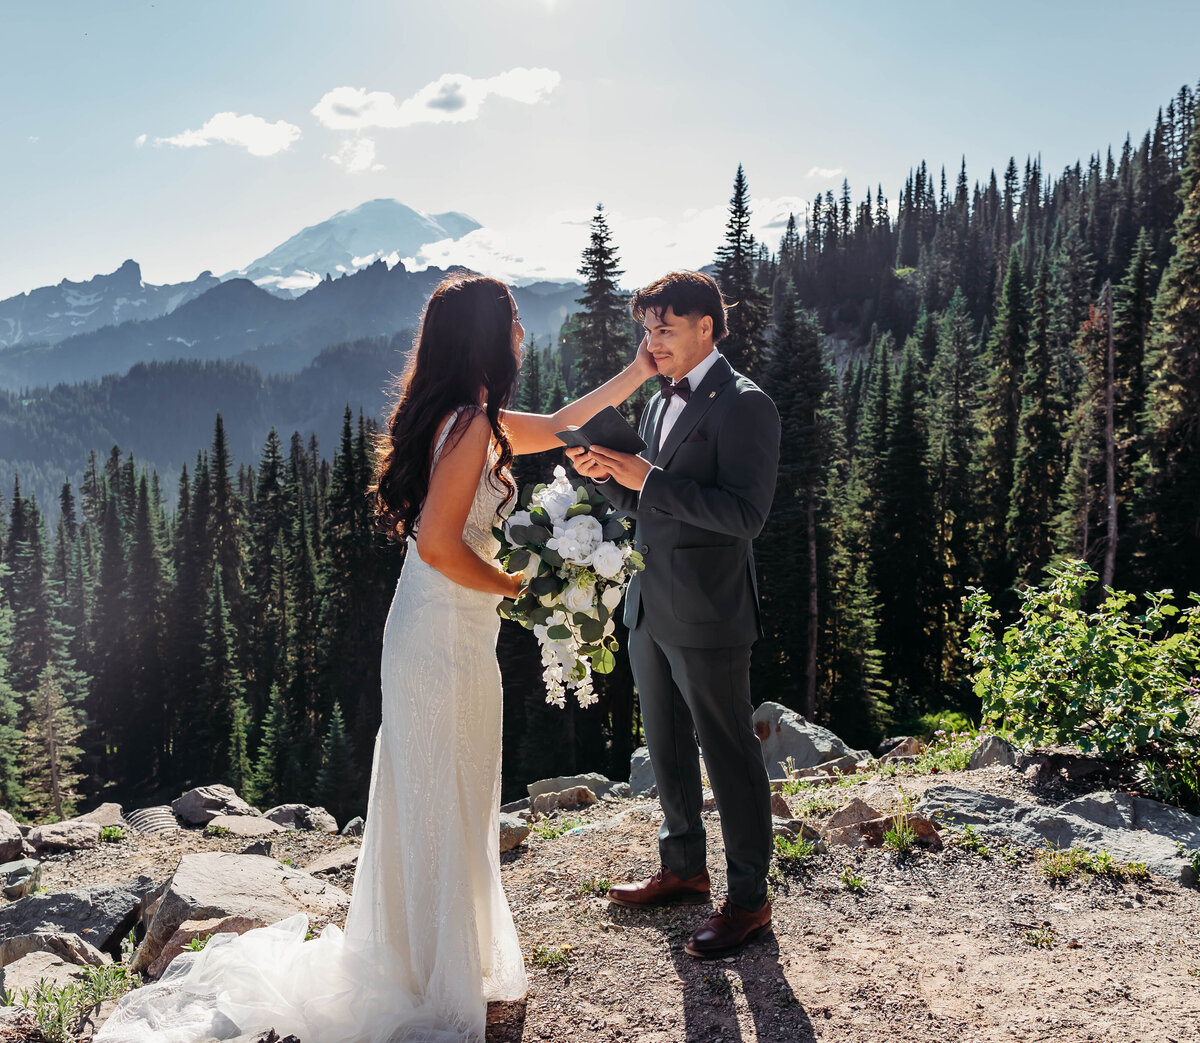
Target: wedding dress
429	937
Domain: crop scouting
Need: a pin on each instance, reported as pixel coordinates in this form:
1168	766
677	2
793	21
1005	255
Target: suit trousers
705	692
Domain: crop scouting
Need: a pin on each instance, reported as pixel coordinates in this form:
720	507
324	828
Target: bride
429	937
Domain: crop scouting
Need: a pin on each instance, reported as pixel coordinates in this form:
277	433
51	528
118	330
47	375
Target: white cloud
140	140
356	155
451	98
549	246
825	172
253	133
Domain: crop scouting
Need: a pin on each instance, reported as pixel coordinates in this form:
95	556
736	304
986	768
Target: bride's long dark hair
463	346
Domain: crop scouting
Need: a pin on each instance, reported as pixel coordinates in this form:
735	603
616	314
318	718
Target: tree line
1000	376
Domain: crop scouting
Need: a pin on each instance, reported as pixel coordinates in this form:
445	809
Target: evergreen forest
975	382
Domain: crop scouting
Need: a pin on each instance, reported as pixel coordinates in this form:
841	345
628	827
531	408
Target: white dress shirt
675	406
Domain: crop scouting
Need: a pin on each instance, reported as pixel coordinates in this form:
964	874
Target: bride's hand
644	362
517	580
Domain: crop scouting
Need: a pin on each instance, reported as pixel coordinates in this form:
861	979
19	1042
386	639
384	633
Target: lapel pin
712	394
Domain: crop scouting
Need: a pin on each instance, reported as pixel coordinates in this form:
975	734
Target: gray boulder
301	816
598	784
246	825
199	806
992	750
25	973
69	947
101	915
20	878
108	814
784	733
354	827
11	837
218	883
68	835
513	831
641	773
1131	829
340	858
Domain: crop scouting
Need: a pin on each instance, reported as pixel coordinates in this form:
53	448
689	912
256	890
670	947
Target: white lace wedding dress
429	937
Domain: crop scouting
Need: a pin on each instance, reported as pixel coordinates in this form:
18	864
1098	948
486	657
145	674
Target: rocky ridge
964	933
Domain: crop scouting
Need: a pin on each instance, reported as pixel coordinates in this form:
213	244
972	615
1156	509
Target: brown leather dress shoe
728	929
662	888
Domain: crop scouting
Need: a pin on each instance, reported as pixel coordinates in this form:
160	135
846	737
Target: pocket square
696	436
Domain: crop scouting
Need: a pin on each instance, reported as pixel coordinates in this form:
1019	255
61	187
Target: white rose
579	599
587	533
531	570
611	598
607	561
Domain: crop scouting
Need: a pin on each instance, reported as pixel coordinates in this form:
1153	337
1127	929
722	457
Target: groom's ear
706	325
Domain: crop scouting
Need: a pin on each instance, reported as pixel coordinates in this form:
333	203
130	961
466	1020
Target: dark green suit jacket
705	499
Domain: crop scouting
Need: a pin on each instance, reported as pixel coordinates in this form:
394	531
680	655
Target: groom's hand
586	464
629	470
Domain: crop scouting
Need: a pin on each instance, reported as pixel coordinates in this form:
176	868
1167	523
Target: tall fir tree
745	345
49	753
1170	504
1038	463
603	339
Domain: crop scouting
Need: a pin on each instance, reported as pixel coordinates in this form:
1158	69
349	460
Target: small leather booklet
607	429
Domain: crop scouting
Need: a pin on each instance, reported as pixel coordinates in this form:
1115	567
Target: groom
700	492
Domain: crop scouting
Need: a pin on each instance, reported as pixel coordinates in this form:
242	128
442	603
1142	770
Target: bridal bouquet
577	554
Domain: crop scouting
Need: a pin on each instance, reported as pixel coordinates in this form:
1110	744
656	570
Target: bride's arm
534	432
452	487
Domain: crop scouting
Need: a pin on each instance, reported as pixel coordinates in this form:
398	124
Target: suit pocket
704	582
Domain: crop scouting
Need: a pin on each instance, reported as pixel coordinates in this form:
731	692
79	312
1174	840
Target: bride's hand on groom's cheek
644	359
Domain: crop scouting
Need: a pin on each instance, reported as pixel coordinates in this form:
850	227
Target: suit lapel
700	403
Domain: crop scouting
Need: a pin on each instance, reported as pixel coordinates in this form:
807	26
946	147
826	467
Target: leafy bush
1108	681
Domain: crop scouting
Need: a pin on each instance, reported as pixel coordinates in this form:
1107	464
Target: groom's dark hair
688	293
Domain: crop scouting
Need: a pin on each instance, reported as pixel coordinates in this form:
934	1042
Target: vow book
607	429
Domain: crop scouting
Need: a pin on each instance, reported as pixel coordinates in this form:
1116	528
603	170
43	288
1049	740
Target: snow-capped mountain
382	229
50	314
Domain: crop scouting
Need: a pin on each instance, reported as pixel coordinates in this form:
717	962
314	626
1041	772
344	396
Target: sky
199	136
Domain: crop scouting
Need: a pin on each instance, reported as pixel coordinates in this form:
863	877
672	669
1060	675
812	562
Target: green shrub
112	834
1108	681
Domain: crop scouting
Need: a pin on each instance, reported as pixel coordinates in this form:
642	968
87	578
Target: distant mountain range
237	321
53	313
276	314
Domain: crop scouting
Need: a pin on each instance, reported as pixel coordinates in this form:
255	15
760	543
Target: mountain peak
378	230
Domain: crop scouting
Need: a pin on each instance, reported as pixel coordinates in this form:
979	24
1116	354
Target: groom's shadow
709	1003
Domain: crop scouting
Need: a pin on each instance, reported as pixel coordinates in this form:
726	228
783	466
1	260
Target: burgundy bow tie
683	389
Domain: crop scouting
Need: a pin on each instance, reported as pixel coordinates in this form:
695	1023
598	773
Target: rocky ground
963	945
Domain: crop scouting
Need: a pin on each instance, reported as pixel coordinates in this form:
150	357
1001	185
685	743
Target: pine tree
903	568
1170	513
336	782
999	422
747	318
603	340
12	792
48	752
954	381
221	688
1037	466
791	552
262	789
238	756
